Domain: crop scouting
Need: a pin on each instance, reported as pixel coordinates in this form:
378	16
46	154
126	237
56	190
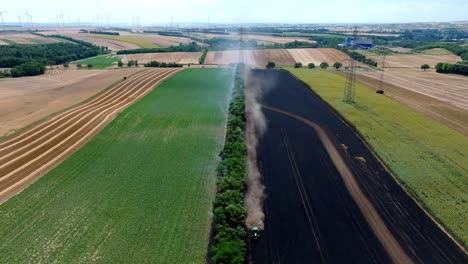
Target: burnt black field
310	215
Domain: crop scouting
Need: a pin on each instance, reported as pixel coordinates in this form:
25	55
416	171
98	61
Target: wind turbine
28	17
1	15
108	19
60	16
19	17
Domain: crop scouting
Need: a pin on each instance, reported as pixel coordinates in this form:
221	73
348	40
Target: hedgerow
228	208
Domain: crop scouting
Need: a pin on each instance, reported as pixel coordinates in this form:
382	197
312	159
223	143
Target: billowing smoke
256	126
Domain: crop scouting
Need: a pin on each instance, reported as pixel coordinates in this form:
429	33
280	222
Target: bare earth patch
28	99
26	38
177	57
414	60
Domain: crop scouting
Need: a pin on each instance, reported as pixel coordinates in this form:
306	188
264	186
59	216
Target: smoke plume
255	127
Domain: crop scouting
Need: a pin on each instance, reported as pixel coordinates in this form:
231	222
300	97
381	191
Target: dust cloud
255	128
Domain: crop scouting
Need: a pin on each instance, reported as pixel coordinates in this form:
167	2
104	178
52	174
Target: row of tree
323	65
360	57
130	63
30	60
162	64
110	33
203	56
230	232
452	68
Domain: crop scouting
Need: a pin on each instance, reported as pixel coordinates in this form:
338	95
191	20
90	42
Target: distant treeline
219	31
203	56
29	60
192	47
452	68
100	32
158	64
359	57
459	49
165	33
230	233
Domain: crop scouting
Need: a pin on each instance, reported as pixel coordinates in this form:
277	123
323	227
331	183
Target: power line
350	85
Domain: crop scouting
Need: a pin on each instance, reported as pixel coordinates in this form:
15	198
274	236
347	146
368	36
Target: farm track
26	157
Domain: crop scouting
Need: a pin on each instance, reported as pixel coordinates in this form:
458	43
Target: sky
246	11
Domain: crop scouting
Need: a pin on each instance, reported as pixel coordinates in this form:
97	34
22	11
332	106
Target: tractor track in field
328	197
374	220
30	155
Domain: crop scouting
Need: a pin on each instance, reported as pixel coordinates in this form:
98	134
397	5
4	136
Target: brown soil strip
376	223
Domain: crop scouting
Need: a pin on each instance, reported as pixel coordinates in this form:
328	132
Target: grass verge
428	158
140	191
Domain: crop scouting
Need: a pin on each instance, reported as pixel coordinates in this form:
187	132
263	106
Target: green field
437	51
138	42
141	191
100	62
430	159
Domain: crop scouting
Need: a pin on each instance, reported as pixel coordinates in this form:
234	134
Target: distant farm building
361	43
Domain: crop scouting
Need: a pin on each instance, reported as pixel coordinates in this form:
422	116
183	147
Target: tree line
110	33
360	57
158	64
230	232
29	60
203	56
452	68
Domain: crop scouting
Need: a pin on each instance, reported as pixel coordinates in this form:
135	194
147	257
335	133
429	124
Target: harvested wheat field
413	60
163	41
448	88
251	57
450	115
177	57
317	56
26	38
261	39
29	155
26	100
279	56
112	44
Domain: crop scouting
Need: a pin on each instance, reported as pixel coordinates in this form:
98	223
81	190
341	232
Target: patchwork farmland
219	160
287	57
120	196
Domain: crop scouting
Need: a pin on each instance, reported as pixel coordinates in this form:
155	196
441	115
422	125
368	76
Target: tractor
255	232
